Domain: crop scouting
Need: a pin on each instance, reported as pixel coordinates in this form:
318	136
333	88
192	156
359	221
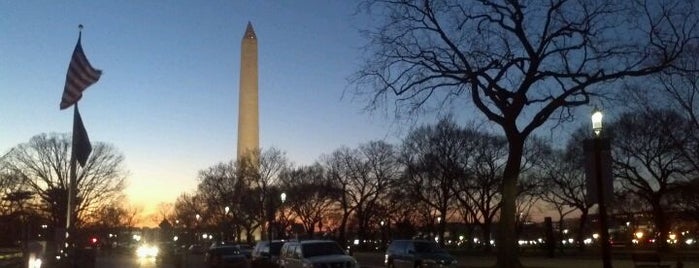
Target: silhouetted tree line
443	174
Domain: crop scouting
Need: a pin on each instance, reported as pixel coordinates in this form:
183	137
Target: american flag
80	76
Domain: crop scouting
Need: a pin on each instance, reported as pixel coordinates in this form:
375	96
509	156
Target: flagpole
73	173
80	75
72	182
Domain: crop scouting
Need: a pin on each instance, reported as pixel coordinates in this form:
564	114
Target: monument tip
249	32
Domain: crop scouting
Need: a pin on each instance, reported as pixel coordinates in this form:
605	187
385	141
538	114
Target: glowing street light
597	121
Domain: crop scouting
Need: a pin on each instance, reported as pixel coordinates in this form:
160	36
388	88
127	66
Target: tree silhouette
518	64
44	163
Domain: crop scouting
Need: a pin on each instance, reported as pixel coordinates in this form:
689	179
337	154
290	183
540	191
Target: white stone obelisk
248	112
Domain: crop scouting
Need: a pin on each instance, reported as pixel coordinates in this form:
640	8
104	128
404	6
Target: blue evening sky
168	97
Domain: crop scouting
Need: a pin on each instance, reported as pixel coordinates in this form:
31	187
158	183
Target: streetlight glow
597	121
283	197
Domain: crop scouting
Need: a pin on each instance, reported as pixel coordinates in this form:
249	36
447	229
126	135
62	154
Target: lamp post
383	235
601	201
282	221
225	231
196	226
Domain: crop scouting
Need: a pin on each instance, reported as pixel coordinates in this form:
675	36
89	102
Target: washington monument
248	113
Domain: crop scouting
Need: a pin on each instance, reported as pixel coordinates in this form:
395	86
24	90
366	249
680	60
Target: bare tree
12	187
44	163
116	216
220	187
381	161
187	206
310	196
563	176
260	172
363	176
403	217
648	159
435	158
165	211
519	64
479	193
682	86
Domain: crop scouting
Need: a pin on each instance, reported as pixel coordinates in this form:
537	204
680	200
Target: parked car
417	253
314	253
244	248
264	256
196	249
225	256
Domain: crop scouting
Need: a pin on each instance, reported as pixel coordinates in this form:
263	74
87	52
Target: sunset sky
168	95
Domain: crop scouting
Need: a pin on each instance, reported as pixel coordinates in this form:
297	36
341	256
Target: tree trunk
660	226
250	237
442	227
310	231
343	230
581	231
487	223
508	254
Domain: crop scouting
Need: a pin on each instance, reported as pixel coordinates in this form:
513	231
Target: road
375	260
123	260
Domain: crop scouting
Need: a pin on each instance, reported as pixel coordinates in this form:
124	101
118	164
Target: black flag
81	142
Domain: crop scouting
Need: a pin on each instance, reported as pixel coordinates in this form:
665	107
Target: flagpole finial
80	31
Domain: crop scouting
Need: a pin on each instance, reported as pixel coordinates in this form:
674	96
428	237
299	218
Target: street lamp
282	221
383	235
196	225
601	202
597	121
224	224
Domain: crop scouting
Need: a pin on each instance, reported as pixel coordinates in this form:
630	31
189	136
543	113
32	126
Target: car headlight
147	251
34	262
